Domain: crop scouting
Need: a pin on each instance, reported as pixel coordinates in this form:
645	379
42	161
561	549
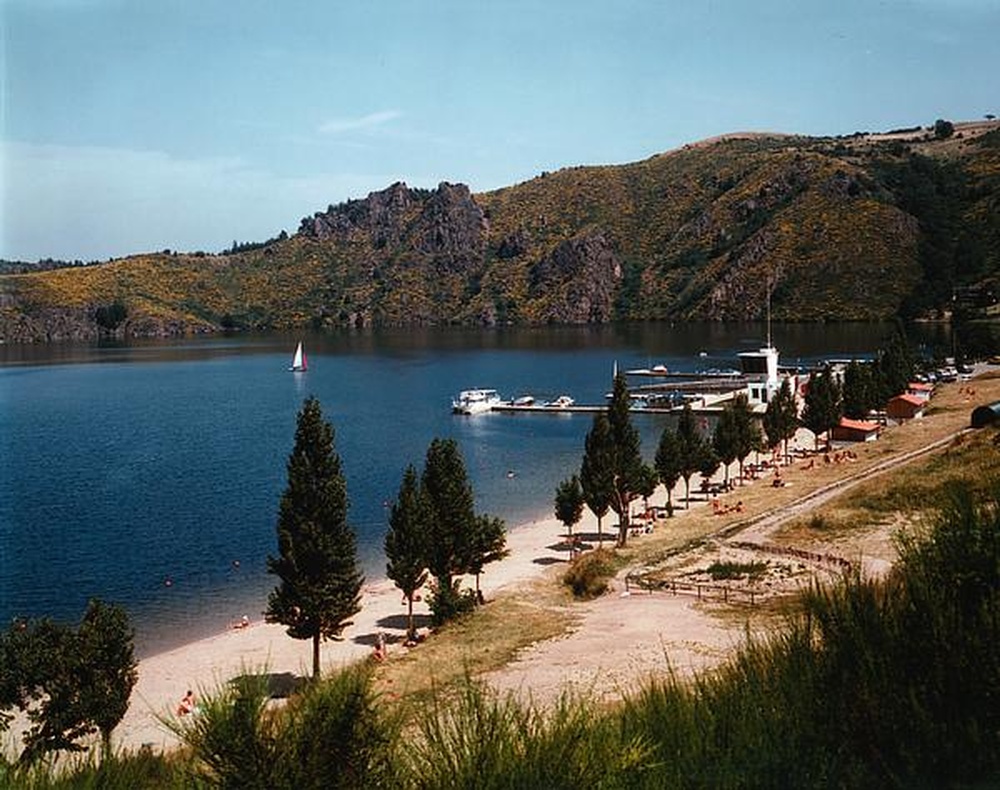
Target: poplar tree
488	543
725	439
692	448
823	404
597	470
404	543
569	502
781	419
319	586
747	431
668	464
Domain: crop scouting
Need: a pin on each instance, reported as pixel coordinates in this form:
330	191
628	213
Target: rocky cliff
833	228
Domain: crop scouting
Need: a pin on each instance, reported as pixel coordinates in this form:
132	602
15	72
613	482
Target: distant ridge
866	226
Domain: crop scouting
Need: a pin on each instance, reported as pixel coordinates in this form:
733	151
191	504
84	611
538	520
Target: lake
149	473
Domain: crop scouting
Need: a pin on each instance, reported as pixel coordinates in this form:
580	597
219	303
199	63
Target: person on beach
187	704
380	650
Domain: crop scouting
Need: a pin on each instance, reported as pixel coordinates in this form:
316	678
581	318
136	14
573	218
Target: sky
130	126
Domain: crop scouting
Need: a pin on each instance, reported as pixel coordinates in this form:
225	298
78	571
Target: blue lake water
124	466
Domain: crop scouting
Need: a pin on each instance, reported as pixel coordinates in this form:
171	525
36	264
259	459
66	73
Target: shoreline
203	664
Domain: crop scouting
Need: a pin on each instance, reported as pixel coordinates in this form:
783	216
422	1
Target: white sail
299	360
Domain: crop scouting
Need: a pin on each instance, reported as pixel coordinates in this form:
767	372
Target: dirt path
625	637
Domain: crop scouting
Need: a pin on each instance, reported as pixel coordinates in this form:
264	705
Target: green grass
720	571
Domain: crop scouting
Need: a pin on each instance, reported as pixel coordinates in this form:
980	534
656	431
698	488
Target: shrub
589	573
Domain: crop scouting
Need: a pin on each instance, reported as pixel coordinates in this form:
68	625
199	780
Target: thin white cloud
365	122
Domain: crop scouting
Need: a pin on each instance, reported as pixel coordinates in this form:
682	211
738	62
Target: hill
862	227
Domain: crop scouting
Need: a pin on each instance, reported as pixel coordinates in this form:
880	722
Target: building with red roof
848	430
905	407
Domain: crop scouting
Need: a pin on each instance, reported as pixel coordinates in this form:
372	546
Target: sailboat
299	362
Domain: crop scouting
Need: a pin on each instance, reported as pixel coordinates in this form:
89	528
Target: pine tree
405	543
628	469
319	585
451	516
858	392
597	470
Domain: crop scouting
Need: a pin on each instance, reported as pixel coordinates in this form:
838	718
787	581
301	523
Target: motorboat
475	401
562	402
524	400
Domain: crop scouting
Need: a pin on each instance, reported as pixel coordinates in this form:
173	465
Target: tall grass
891	683
332	734
486	740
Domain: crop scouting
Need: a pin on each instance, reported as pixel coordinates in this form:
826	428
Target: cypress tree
319	585
404	542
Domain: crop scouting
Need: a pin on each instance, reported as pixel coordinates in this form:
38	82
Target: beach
203	665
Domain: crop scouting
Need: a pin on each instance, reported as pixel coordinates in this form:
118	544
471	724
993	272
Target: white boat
475	401
562	402
524	400
299	362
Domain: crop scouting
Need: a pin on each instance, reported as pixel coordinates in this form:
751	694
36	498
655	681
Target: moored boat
562	402
475	401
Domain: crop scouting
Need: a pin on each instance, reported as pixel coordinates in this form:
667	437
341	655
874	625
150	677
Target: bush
589	573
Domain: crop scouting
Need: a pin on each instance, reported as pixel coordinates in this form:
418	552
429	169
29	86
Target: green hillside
863	227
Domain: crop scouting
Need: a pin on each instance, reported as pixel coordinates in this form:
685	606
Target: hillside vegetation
862	227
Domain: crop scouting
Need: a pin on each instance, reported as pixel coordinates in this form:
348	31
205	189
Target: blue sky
130	126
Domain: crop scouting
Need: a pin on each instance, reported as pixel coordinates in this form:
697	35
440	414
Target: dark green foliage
597	468
330	735
720	571
109	317
669	463
71	682
569	502
458	540
725	438
893	368
746	430
943	129
628	472
823	403
860	390
781	419
405	542
488	543
588	575
692	448
106	669
481	740
319	587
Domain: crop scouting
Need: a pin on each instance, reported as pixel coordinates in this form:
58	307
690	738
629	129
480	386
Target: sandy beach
203	665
